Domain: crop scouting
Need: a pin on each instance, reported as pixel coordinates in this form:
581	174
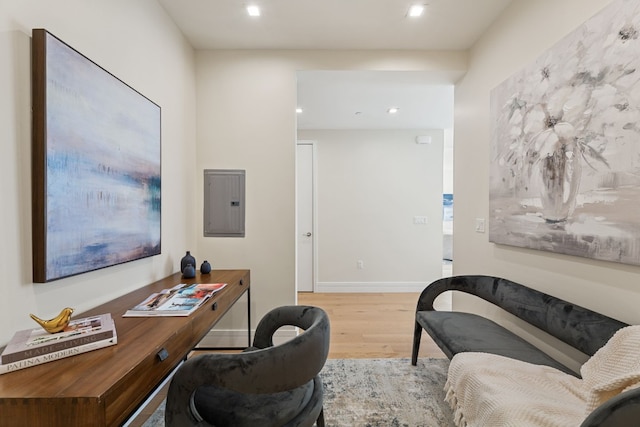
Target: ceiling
360	100
348	99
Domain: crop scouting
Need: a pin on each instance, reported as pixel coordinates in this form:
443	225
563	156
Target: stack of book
32	347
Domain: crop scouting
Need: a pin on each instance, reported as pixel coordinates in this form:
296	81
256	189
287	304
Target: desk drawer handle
214	306
162	354
241	282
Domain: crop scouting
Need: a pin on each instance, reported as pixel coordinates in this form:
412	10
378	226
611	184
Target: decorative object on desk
181	300
186	260
32	347
56	324
205	268
189	272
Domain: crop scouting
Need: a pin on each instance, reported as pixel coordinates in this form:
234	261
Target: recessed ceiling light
253	10
416	10
299	110
393	110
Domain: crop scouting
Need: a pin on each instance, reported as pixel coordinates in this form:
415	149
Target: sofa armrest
431	292
619	411
425	303
489	288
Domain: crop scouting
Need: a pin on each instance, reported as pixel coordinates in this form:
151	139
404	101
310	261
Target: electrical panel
224	212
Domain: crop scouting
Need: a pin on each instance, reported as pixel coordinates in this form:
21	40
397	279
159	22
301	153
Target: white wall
370	185
526	29
138	43
246	120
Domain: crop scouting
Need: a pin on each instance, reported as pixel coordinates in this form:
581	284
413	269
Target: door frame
314	216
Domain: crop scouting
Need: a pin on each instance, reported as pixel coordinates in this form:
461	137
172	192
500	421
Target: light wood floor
376	325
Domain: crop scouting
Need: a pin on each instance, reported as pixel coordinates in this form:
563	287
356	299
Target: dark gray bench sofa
583	329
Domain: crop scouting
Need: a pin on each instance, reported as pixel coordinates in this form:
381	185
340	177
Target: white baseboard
363	287
237	338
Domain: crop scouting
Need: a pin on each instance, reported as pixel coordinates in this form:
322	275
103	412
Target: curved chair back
261	369
298	360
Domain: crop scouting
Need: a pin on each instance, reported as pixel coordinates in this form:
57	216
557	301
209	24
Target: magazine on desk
31	347
181	300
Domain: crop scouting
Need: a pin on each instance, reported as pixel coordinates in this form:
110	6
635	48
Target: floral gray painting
565	158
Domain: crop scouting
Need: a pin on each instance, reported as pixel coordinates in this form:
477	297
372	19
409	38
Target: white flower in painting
547	142
585	105
556	115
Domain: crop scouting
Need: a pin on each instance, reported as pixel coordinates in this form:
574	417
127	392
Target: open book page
181	300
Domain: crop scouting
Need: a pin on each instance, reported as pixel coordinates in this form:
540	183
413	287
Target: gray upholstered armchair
265	385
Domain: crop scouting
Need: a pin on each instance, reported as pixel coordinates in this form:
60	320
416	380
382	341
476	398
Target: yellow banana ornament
56	324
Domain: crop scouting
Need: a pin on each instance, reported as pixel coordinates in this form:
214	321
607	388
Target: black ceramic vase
205	268
189	271
187	259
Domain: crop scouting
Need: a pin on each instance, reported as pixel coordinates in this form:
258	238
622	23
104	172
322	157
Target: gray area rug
378	393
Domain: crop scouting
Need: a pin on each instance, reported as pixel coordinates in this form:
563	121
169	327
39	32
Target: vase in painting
561	173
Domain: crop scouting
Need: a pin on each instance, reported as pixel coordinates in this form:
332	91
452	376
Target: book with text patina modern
30	347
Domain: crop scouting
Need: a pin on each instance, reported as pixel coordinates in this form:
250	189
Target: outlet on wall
480	225
420	220
360	264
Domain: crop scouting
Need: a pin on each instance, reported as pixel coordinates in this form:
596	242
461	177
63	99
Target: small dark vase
205	268
187	259
189	272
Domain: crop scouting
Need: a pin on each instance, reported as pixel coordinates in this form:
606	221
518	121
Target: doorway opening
349	102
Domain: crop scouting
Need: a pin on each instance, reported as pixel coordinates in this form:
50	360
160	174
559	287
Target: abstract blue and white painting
103	198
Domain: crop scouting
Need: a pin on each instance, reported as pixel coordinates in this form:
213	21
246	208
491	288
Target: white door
304	216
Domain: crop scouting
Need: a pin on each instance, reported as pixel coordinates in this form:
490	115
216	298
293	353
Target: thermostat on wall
423	139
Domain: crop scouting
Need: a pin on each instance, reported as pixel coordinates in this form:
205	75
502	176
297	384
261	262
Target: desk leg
248	330
249	317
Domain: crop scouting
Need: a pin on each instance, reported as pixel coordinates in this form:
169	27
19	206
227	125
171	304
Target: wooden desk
103	387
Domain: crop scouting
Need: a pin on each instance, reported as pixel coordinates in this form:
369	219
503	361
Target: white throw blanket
489	390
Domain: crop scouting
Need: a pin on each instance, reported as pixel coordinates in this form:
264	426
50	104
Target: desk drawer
142	380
